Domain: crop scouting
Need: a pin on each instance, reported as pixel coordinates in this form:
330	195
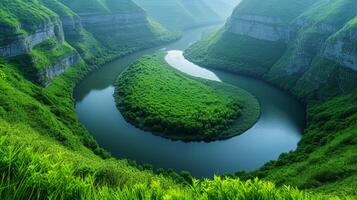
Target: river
278	129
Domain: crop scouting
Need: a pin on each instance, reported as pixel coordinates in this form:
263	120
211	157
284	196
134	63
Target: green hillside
224	51
102	6
154	96
29	13
316	64
284	10
322	20
131	30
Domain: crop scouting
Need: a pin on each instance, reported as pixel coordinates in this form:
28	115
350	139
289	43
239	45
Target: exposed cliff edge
259	27
341	47
59	67
14	44
282	44
312	39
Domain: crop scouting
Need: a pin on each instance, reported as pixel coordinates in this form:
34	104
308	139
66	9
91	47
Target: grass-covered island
156	97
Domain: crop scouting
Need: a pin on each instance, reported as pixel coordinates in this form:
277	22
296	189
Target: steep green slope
152	95
317	66
37	29
29	13
224	51
121	26
261	27
102	6
87	46
180	14
314	27
37	32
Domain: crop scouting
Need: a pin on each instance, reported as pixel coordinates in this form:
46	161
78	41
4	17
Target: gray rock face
335	51
71	24
59	68
8	29
297	64
302	23
18	46
259	27
21	44
114	21
42	33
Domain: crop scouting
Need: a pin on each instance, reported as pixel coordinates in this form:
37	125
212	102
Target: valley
178	99
195	157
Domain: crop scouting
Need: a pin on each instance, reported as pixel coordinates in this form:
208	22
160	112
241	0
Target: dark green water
278	130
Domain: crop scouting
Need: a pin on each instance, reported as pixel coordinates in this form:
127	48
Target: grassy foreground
46	154
154	96
37	167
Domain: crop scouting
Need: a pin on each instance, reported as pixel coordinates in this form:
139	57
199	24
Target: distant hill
223	8
182	14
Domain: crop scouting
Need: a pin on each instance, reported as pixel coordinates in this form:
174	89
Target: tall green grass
35	167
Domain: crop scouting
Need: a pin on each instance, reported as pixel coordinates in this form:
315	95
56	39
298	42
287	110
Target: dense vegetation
35	167
223	55
153	95
45	153
325	159
117	37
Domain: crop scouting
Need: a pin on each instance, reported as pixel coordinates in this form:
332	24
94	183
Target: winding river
278	129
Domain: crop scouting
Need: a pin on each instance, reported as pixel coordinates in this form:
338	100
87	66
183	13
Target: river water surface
278	129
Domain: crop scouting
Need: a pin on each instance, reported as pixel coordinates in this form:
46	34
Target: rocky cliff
286	46
15	42
59	67
311	32
47	31
342	46
317	64
259	27
113	22
16	45
119	26
71	22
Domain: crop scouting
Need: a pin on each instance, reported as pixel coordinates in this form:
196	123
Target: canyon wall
113	22
342	46
15	44
62	32
259	27
297	45
59	67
